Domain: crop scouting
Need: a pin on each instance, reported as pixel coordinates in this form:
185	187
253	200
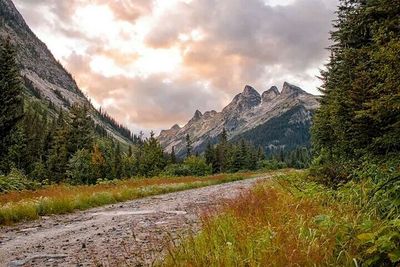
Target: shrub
177	170
16	181
192	166
198	166
271	165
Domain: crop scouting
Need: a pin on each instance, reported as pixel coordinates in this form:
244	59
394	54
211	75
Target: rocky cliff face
41	71
290	109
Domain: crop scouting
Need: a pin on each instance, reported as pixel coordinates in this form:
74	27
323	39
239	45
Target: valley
132	233
305	173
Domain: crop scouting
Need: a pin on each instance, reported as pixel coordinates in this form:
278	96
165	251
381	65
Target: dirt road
133	233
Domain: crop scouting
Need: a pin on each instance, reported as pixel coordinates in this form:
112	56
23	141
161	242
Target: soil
134	233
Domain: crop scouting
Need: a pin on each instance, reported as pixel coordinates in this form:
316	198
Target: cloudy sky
152	63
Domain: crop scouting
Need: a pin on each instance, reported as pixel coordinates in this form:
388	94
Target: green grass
291	221
30	205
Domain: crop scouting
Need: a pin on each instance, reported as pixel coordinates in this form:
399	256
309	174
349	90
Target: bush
271	165
198	166
177	170
192	166
16	181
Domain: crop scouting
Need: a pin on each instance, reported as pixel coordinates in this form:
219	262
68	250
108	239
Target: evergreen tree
97	163
211	157
117	163
221	152
58	157
151	160
11	100
173	156
79	168
81	135
360	107
260	154
189	146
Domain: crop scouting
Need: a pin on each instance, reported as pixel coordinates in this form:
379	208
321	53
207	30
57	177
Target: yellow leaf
366	237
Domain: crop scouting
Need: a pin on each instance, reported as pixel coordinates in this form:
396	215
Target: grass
290	221
61	199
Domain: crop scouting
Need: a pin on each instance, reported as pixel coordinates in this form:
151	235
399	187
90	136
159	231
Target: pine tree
81	135
359	115
189	146
260	154
150	158
58	157
11	100
221	152
117	163
173	156
97	163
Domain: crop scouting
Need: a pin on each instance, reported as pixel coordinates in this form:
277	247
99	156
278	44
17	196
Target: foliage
360	106
16	181
193	165
271	165
291	220
197	166
232	157
11	104
79	168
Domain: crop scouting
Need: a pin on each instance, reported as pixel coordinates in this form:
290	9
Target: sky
152	63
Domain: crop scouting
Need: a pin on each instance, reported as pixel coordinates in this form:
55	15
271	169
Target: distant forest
45	144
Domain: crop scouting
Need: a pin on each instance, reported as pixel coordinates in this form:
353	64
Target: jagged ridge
292	108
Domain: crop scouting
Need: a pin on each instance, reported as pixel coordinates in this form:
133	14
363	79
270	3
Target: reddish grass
270	226
56	191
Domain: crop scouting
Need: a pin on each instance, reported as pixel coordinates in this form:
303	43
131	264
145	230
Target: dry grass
60	199
278	223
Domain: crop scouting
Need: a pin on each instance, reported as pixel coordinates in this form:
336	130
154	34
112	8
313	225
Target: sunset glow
121	50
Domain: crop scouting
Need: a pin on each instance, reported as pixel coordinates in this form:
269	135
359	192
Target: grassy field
291	221
60	199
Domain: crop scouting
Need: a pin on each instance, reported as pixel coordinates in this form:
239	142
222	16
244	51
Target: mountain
274	119
45	78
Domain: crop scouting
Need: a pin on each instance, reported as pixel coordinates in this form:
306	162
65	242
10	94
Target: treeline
71	148
233	157
359	118
244	155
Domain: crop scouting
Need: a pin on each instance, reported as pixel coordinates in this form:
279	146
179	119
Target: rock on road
133	233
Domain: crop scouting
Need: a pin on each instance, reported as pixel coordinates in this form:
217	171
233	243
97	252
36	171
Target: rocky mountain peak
290	89
270	94
244	101
246	116
176	127
209	114
196	117
250	92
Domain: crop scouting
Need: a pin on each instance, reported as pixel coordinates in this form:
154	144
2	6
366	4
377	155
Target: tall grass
60	199
290	221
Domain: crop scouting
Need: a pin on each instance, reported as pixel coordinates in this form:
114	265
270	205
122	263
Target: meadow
292	221
27	205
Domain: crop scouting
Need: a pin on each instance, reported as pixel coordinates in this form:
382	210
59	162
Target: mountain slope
273	119
44	77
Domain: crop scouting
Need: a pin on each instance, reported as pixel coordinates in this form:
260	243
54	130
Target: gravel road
133	233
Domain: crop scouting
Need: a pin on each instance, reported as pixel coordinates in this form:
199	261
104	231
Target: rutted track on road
133	233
